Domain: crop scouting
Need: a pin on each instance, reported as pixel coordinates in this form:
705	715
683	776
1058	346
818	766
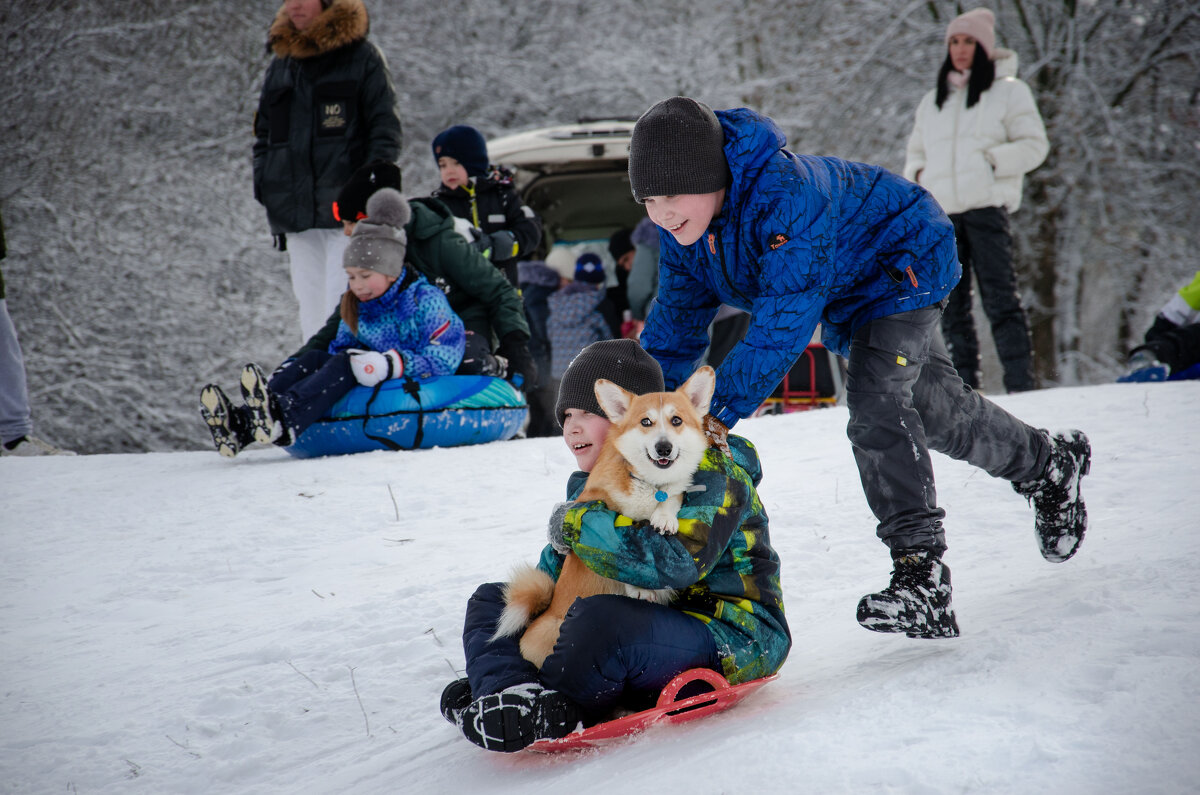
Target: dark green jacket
327	107
478	292
720	563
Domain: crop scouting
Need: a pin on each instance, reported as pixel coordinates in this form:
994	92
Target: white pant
318	279
15	419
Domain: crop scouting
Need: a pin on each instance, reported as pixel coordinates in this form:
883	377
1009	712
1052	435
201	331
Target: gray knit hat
621	361
379	242
677	147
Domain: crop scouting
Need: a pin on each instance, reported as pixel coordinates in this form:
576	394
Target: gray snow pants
906	398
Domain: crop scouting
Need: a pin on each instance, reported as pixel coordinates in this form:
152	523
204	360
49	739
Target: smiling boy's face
584	434
686	215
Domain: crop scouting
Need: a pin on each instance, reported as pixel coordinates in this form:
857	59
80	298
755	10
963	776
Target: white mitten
371	367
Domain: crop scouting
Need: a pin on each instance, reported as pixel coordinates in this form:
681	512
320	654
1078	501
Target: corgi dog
647	462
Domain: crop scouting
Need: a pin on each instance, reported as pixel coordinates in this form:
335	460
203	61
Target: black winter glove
503	246
522	371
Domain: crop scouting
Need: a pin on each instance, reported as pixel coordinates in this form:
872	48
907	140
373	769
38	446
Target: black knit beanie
466	145
351	204
677	148
621	361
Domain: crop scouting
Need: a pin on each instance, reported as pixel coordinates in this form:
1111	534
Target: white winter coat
976	157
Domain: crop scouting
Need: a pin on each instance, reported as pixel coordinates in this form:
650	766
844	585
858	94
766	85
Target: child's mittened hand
371	367
554	528
717	433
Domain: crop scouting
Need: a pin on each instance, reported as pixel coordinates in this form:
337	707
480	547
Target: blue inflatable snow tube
406	414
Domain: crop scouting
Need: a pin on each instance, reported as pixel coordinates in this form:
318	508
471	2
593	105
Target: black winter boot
229	425
1061	515
455	698
265	418
519	716
916	602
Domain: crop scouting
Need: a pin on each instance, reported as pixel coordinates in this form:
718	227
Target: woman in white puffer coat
974	138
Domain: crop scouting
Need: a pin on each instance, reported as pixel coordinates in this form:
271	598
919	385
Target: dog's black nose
662	449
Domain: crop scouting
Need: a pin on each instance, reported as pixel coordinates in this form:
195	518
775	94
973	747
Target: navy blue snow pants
905	398
305	388
611	649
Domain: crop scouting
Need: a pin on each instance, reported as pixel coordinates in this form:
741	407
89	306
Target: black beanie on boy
621	361
677	147
466	145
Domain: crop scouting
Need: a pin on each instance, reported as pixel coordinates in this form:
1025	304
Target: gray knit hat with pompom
379	241
621	361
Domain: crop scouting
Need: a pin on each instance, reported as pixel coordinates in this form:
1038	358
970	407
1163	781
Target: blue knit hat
589	268
466	145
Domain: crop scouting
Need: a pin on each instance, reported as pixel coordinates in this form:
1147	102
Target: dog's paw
664	520
659	596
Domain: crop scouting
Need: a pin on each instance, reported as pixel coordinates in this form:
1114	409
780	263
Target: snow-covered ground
181	623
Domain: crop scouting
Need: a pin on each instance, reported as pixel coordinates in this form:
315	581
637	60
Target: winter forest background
140	267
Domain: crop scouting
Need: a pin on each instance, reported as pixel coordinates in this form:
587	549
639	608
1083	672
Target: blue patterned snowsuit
412	317
799	240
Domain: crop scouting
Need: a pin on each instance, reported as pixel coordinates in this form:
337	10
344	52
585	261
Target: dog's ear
699	388
613	399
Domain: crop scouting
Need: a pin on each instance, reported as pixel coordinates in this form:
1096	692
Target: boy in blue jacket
727	613
796	240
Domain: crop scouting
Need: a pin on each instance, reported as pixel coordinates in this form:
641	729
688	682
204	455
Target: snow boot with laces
916	602
519	716
266	422
1061	517
229	425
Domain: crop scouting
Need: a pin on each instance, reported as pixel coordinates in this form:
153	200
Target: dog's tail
528	593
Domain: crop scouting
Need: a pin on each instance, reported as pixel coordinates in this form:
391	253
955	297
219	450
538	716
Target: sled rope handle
411	387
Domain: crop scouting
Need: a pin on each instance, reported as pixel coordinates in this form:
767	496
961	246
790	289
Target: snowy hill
179	623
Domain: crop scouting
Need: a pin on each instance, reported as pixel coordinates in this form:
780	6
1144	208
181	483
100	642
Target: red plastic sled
667	711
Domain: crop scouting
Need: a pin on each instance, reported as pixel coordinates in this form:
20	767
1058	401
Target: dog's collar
659	494
662	496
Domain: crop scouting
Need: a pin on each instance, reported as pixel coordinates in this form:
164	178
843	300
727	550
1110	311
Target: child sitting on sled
394	323
615	651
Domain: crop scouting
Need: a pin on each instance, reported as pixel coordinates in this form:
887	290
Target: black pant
985	249
905	399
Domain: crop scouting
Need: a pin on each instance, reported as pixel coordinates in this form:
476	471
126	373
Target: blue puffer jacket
720	563
413	318
799	240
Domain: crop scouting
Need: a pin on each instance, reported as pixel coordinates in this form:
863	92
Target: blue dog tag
660	496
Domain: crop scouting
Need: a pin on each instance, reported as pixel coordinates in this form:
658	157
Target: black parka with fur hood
327	107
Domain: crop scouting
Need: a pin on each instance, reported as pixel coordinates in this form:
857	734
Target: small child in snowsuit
394	323
577	317
727	614
1171	346
483	195
796	240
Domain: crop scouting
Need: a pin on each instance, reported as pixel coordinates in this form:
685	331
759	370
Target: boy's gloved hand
717	433
554	530
371	367
522	371
502	245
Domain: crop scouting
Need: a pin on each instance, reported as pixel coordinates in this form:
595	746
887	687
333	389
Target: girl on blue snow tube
393	323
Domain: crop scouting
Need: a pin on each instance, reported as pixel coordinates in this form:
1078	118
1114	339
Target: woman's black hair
983	74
